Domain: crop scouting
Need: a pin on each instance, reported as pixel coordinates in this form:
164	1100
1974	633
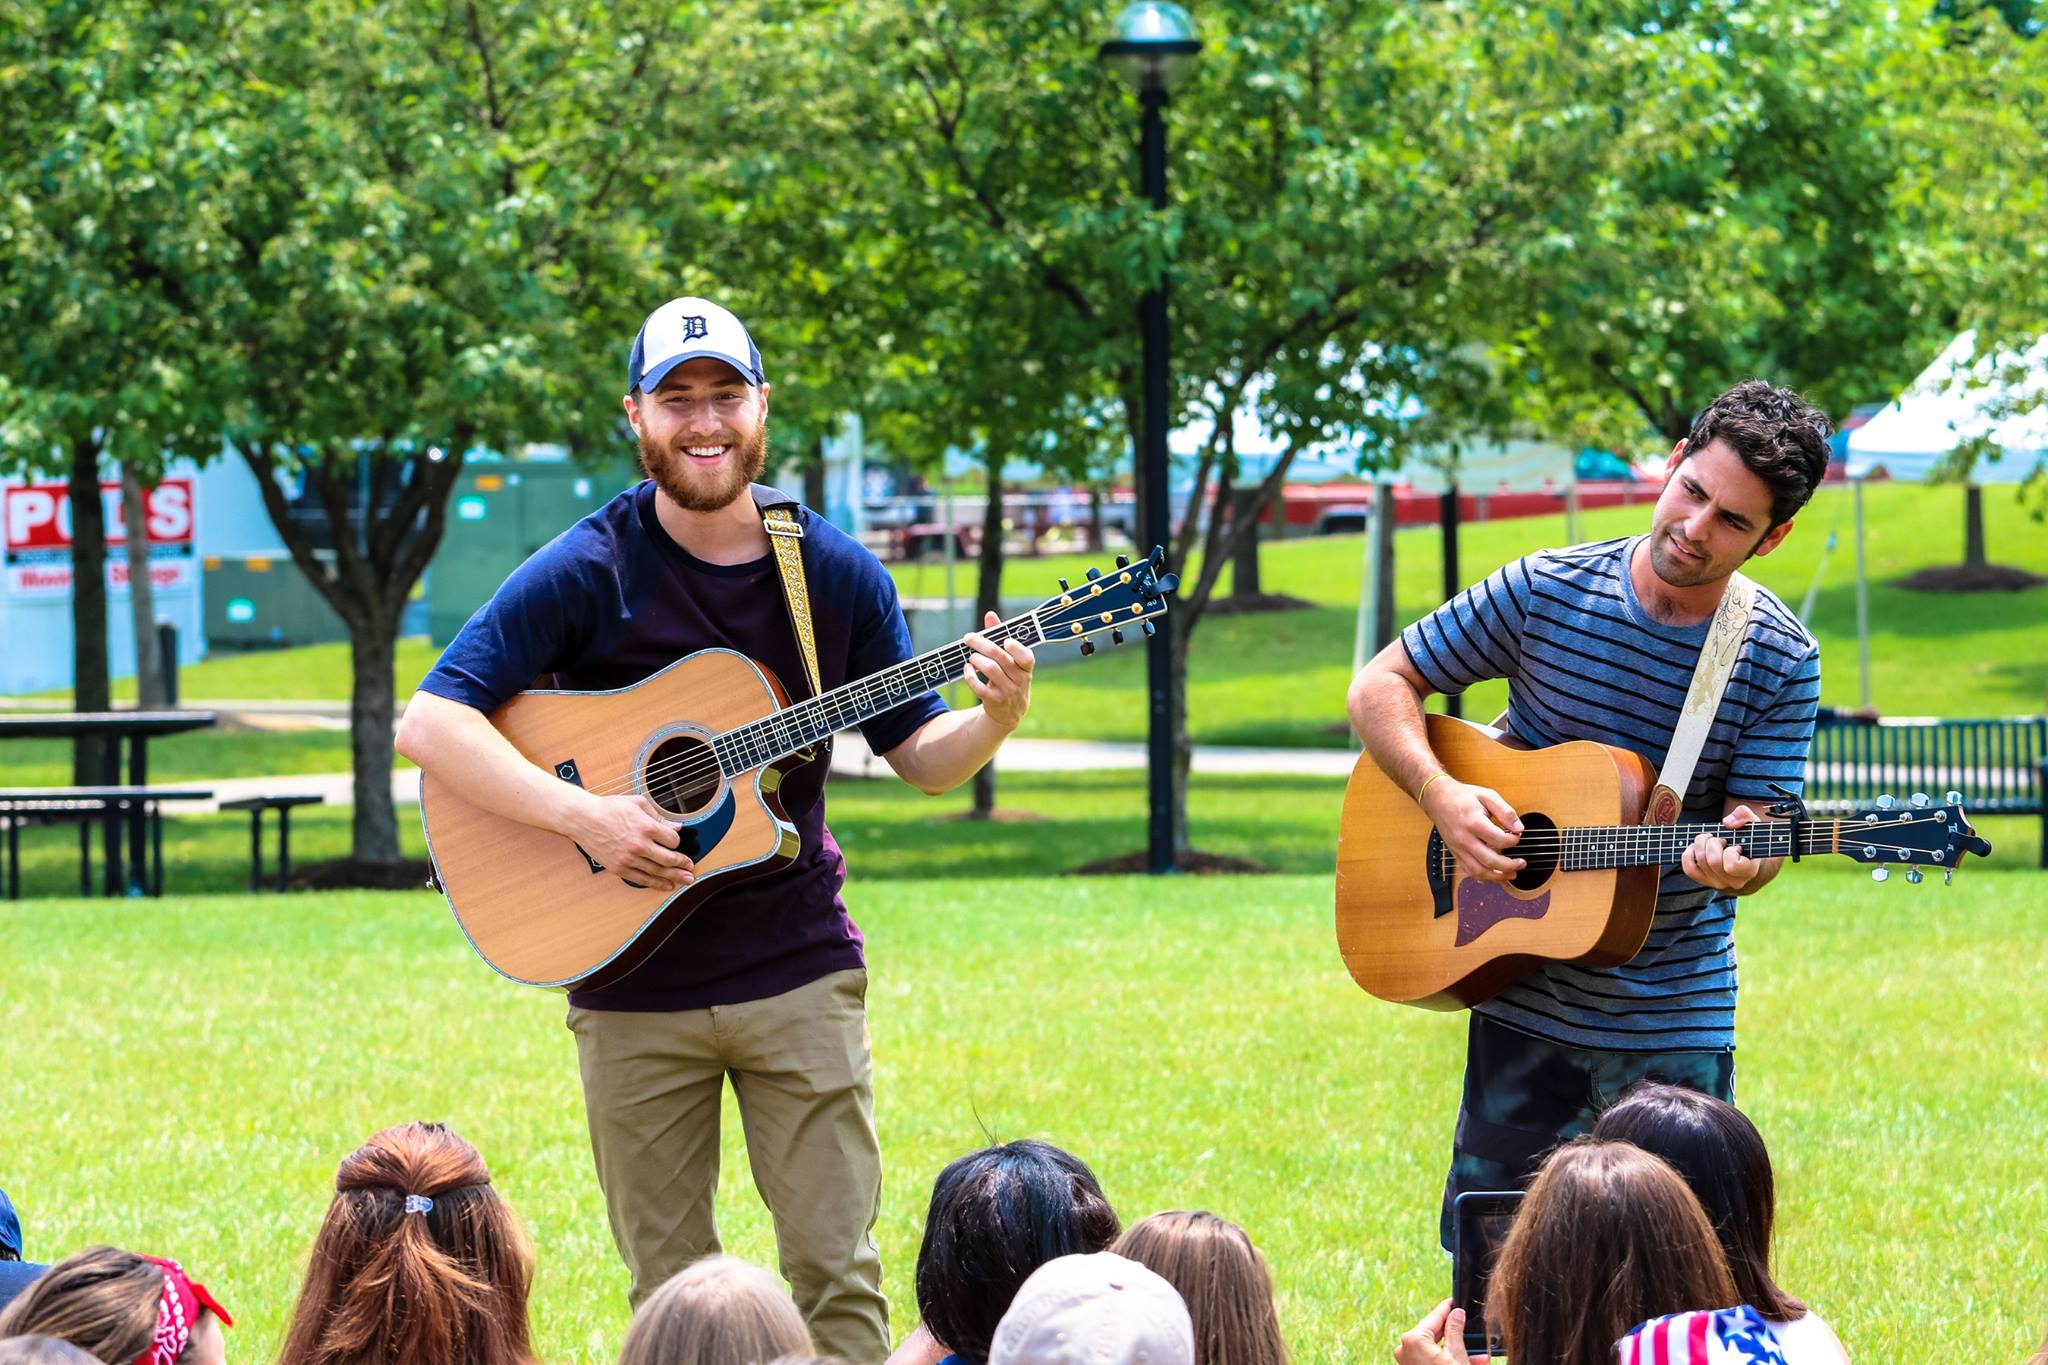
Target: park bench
21	807
283	805
2000	765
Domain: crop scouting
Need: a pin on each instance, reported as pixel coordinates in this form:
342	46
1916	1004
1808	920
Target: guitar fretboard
1595	846
796	727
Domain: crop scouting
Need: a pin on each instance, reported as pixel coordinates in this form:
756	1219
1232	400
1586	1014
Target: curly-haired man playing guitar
1600	642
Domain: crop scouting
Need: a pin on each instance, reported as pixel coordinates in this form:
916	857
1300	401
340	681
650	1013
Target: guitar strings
695	767
1815	831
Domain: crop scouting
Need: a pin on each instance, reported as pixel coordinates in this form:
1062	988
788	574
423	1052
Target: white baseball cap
686	329
1094	1310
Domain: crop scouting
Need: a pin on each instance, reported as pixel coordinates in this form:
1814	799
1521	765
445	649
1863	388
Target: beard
698	490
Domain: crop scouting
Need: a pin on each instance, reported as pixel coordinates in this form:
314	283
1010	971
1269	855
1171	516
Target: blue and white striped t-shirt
1584	660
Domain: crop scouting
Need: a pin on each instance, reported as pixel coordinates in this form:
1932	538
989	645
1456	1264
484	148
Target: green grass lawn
184	1077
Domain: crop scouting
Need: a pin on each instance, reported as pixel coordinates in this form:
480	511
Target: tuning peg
1954	798
1063	585
1919	800
1913	875
1087	648
1877	874
1887	803
1094	572
1116	637
1123	561
1948	874
1149	630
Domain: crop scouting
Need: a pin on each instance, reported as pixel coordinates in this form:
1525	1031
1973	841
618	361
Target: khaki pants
801	1072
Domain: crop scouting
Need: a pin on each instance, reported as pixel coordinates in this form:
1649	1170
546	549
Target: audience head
1099	1309
42	1351
1609	1237
996	1216
123	1309
1720	1154
10	1230
419	1259
1221	1278
717	1311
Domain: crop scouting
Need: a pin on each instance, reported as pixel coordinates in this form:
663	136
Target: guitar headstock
1130	595
1916	835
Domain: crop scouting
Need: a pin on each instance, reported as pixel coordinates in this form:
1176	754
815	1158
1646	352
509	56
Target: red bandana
176	1311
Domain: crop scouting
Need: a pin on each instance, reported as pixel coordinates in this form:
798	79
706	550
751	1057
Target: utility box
264	602
498	515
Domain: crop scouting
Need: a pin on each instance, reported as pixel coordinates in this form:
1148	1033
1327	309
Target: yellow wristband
1425	784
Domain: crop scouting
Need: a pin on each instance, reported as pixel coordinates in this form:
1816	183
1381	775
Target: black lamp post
1155	44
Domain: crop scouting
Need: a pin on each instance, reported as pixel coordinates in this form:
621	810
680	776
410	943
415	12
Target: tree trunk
1183	742
1244	566
373	657
1973	527
366	583
988	597
150	692
1383	566
89	689
1095	518
814	478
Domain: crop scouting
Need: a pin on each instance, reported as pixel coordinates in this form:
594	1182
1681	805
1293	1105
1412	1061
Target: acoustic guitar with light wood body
1416	930
709	740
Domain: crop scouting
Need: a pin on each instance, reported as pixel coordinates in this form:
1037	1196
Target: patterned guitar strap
786	534
1702	699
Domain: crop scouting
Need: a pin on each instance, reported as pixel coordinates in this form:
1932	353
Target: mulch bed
1973	578
346	874
1254	603
1193	861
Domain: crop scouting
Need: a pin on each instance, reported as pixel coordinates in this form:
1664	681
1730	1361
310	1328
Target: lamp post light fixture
1154	46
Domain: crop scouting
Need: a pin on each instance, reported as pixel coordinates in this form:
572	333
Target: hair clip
418	1203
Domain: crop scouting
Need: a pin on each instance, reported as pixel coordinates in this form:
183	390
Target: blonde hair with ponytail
443	1286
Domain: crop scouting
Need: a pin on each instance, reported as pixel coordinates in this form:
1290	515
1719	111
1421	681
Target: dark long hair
1221	1277
1608	1238
102	1301
997	1215
444	1287
1722	1157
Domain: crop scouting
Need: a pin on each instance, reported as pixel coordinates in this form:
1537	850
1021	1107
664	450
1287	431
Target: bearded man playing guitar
1599	642
767	981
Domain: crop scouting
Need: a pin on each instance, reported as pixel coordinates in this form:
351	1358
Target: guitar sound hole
1537	848
682	775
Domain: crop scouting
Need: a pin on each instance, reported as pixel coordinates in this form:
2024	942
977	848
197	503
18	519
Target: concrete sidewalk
851	758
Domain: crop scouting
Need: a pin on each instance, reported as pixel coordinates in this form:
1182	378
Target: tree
1758	231
439	234
1973	204
1348	181
106	249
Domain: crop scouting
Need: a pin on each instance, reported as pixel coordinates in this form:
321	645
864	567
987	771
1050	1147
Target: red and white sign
37	522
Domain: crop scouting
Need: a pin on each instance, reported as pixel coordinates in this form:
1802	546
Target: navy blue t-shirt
614	599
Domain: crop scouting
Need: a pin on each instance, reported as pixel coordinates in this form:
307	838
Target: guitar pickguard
1481	905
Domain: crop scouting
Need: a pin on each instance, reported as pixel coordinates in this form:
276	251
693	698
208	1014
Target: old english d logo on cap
689	329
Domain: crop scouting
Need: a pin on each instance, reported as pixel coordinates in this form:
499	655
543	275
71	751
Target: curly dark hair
997	1215
1782	439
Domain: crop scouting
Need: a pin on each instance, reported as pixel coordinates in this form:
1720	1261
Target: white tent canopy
1958	398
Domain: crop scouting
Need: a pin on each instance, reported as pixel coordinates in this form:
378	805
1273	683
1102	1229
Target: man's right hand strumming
630	836
1477	826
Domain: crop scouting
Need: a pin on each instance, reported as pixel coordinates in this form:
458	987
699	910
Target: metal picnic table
137	728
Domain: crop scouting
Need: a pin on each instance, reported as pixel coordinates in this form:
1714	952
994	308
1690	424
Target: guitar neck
1596	846
794	728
